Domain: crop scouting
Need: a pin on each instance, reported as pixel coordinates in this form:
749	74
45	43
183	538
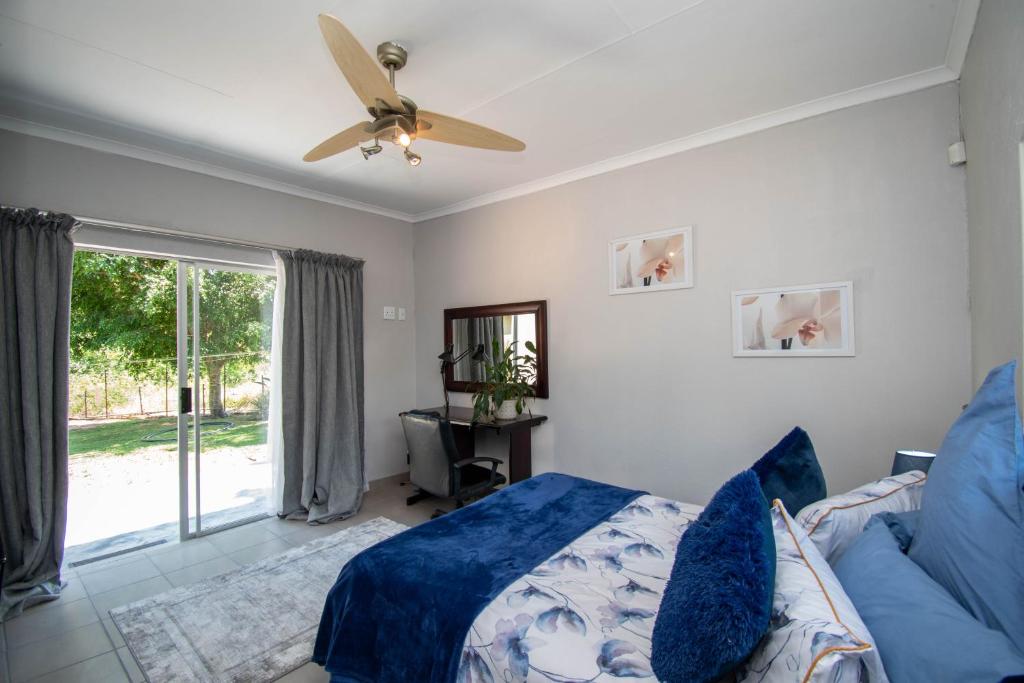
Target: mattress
587	612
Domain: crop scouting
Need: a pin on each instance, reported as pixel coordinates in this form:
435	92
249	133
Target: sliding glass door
225	316
169	394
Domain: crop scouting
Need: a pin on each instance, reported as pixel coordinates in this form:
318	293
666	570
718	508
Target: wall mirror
466	328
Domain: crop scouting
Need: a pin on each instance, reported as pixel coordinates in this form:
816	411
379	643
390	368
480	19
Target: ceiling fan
396	118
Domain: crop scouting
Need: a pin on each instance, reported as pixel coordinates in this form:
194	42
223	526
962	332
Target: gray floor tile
51	654
74	590
255	553
139	569
188	575
130	667
185	554
242	537
36	624
115	636
279	526
103	669
310	673
104	602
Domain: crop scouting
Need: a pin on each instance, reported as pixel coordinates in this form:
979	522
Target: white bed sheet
587	613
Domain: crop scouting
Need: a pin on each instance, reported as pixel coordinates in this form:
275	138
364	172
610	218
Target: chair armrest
469	461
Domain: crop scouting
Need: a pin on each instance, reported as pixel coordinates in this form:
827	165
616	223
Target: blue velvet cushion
922	633
791	473
970	533
718	600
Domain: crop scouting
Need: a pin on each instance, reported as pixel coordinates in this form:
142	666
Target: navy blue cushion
922	633
791	473
718	600
970	535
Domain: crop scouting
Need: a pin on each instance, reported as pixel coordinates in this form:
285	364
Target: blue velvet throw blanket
400	610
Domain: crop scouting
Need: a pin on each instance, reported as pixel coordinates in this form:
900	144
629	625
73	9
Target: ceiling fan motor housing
392	55
391	126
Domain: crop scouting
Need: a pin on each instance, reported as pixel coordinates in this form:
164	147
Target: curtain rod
137	227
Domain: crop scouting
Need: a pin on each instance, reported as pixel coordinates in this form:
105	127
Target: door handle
185	400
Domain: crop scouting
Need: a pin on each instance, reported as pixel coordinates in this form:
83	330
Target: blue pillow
922	633
791	473
970	533
718	600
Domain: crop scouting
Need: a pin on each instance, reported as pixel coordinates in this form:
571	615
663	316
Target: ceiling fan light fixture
404	140
371	150
413	158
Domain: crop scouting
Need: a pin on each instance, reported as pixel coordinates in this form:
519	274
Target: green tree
125	308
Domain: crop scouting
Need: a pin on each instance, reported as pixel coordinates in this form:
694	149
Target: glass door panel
229	463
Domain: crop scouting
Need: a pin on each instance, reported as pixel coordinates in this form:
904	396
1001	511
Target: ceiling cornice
109	146
963	27
960	36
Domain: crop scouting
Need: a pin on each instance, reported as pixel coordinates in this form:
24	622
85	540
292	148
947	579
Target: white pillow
816	634
833	523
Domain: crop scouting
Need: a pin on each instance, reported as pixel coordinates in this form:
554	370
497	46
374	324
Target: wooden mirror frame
538	308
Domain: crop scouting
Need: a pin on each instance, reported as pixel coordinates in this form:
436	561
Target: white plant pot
506	411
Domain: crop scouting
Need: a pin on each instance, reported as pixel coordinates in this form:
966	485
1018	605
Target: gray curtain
475	331
36	254
322	386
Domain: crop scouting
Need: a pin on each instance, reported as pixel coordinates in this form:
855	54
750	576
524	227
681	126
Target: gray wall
61	177
992	106
644	389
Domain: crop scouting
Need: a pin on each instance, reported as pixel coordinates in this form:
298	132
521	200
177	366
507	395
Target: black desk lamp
447	359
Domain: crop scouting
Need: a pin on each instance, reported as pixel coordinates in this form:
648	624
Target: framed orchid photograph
651	262
809	320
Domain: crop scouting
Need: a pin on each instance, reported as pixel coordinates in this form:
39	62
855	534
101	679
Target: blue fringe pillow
718	600
790	472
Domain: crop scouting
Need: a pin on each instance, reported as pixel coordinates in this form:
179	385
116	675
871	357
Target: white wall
644	389
992	105
56	176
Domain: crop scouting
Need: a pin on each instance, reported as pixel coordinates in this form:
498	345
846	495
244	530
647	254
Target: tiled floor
73	639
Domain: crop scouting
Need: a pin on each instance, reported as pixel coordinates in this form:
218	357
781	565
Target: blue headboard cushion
718	600
790	472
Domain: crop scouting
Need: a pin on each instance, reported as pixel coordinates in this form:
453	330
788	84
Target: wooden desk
520	454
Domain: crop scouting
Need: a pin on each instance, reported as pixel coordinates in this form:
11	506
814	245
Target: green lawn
124	436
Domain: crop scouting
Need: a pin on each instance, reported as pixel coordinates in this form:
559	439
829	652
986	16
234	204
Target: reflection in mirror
467	333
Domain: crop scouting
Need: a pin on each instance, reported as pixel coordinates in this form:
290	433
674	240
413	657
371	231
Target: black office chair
435	466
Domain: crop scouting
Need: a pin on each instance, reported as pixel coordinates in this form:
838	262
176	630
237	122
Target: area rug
252	624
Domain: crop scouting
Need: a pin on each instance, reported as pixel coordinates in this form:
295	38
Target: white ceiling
243	89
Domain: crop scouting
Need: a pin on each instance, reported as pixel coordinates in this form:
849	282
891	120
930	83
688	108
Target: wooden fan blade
458	132
346	139
362	73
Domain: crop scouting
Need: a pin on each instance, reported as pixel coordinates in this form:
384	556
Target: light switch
389	312
401	313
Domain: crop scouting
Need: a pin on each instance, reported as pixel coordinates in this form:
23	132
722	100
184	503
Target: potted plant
508	382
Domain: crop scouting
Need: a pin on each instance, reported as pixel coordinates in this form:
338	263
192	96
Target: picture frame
651	262
814	321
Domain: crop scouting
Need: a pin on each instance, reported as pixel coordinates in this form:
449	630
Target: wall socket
389	312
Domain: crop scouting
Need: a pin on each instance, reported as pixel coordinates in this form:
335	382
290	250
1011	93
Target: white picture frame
628	256
820	317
